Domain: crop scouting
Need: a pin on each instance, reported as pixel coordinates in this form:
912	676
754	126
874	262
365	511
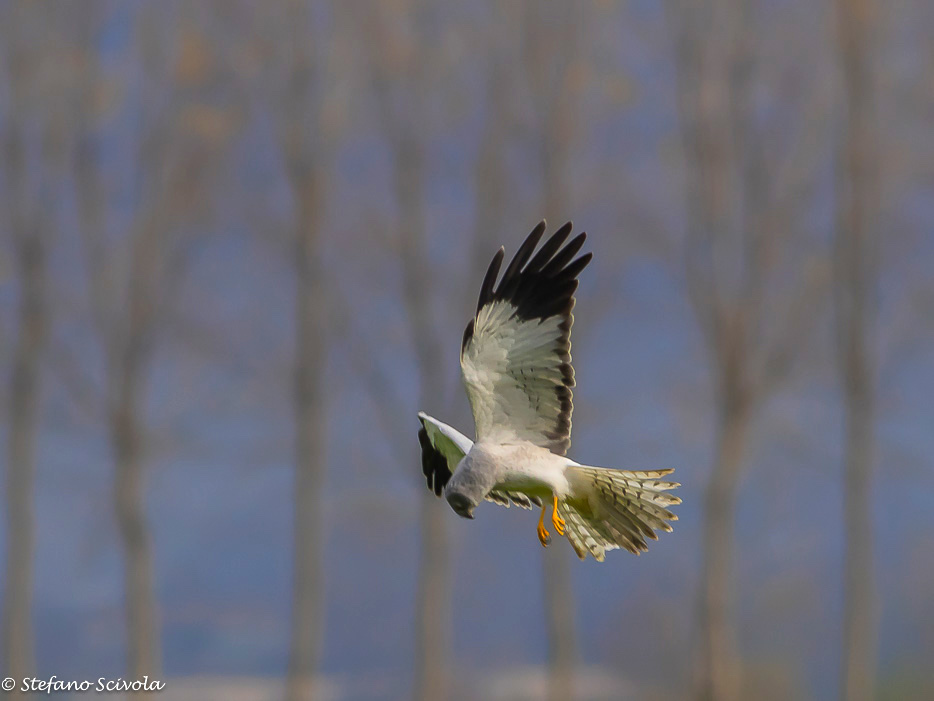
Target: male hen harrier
516	367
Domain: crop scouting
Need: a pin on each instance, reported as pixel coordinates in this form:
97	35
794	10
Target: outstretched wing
443	447
516	352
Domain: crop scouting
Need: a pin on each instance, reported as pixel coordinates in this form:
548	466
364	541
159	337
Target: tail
611	509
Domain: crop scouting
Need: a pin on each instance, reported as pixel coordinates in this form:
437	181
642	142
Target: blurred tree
856	259
132	278
33	137
401	64
308	132
753	276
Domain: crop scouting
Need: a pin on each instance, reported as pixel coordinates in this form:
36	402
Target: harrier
516	367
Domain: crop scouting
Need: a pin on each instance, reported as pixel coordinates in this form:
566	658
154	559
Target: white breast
521	467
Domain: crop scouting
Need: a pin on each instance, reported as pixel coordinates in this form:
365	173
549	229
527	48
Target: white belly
522	467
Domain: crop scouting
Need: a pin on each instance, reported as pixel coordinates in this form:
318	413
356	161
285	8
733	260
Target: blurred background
239	243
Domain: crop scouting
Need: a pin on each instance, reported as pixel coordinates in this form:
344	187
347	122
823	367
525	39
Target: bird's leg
556	520
543	536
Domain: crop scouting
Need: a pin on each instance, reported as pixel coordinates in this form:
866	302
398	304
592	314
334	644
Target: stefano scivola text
100	685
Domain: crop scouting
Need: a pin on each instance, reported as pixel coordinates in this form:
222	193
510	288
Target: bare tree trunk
857	195
307	147
433	610
29	227
858	682
310	438
431	654
719	673
21	444
129	362
143	649
559	609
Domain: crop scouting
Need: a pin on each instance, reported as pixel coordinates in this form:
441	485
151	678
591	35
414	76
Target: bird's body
521	467
516	367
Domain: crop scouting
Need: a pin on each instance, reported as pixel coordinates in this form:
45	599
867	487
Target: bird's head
467	487
462	503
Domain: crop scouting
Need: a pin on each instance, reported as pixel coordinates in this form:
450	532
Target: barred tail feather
518	498
612	509
582	536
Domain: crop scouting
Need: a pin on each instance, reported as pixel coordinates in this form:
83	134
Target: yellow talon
556	520
543	536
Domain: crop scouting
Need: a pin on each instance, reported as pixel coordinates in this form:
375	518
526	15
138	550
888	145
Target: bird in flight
516	367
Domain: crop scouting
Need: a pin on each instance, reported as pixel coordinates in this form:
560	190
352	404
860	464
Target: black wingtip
489	280
522	256
434	465
542	285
